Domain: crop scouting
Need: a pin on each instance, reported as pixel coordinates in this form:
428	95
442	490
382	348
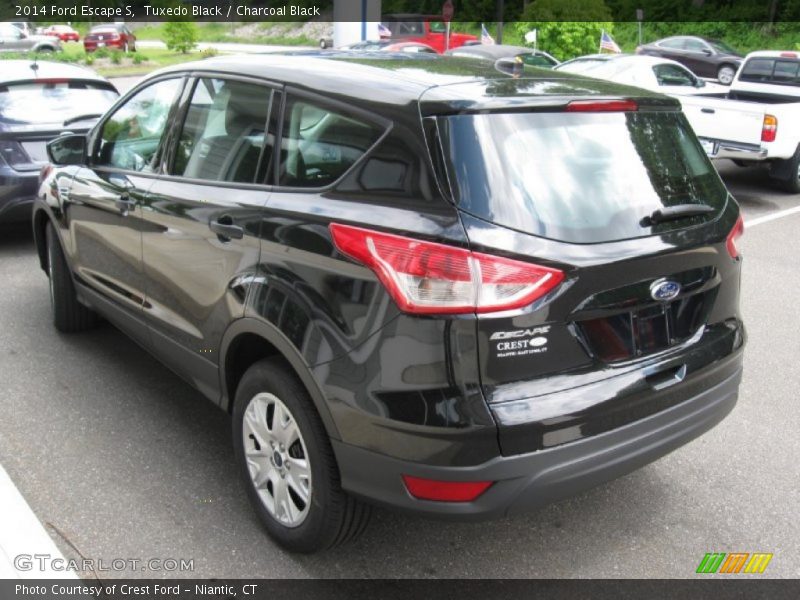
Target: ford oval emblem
664	290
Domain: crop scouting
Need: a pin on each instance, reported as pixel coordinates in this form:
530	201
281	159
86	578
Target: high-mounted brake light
430	278
735	234
788	55
602	106
769	129
445	491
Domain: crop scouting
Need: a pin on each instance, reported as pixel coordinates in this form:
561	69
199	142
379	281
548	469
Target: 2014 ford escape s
427	284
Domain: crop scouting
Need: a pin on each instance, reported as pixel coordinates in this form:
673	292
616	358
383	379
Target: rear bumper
531	480
735	151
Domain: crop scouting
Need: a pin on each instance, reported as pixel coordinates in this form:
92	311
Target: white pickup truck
758	119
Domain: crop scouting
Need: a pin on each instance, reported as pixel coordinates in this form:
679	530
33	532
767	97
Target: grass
226	32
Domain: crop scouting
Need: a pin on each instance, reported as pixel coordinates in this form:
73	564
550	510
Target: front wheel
69	315
287	463
725	74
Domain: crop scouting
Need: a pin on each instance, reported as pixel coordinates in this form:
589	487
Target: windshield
579	177
53	102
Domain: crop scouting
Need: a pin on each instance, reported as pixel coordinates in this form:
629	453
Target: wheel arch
249	340
40	221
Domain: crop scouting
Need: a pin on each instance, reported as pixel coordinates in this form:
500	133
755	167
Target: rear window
783	71
579	177
53	101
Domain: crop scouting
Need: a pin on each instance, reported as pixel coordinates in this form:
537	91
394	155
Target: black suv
428	284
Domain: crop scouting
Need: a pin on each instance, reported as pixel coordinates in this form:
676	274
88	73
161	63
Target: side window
9	32
319	144
131	137
673	75
673	44
224	135
537	60
695	45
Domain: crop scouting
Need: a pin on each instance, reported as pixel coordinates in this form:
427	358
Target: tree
180	36
564	38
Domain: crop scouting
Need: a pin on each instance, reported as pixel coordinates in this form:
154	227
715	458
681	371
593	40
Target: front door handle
125	204
226	230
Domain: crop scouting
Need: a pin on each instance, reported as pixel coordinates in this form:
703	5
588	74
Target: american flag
607	43
485	37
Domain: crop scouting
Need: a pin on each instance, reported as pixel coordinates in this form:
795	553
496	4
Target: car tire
69	315
276	426
725	74
125	47
323	43
45	50
791	180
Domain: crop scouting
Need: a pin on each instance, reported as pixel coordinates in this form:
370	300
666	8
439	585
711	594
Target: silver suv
13	39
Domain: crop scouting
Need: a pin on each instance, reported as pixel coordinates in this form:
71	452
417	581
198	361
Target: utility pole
500	10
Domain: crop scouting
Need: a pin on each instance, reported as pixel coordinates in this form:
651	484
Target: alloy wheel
277	459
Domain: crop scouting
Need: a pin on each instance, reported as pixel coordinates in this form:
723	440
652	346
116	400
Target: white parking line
22	534
771	217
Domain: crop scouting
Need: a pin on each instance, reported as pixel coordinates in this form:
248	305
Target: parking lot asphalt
120	459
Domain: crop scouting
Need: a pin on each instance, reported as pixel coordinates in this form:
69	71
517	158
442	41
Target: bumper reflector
445	491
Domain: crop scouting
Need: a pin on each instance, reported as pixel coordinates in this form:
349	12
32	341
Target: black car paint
422	392
700	63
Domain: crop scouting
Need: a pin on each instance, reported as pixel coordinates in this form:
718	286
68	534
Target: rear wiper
82	118
671	213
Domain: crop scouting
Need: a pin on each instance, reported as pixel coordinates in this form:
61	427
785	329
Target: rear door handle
710	111
225	229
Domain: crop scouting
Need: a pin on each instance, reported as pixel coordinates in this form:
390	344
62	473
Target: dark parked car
404	292
704	56
494	52
112	35
14	39
38	102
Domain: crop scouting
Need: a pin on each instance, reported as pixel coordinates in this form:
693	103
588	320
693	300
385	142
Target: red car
63	32
113	35
425	29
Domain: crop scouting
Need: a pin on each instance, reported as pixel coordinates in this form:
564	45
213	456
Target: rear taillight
44	172
445	491
735	234
602	106
769	129
430	278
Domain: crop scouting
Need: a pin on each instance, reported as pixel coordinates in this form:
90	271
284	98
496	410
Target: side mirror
706	51
67	149
700	83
